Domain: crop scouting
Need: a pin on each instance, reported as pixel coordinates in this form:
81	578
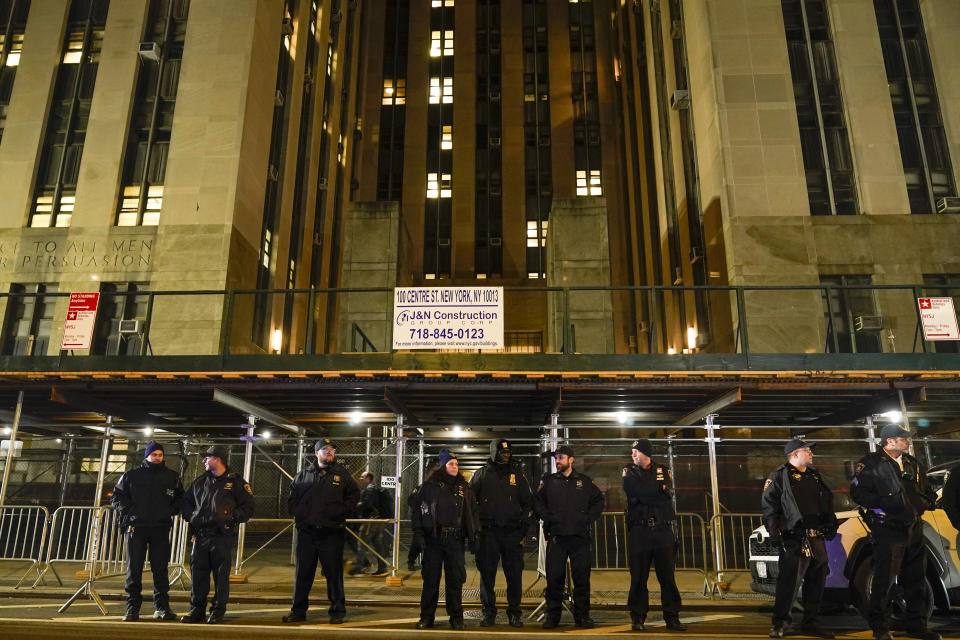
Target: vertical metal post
65	471
396	498
247	464
742	314
311	339
904	417
8	464
673	475
145	338
104	458
554	439
715	491
293	539
369	435
871	435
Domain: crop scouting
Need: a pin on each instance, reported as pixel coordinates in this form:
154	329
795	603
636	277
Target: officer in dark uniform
650	538
568	503
321	497
798	514
892	490
505	500
146	499
215	505
445	517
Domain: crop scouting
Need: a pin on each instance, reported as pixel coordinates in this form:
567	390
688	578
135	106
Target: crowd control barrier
23	533
731	544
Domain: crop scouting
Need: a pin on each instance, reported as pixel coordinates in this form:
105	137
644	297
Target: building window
438	207
148	143
537	161
587	156
29	320
916	107
488	167
827	160
56	182
13	22
119	327
943	285
852	320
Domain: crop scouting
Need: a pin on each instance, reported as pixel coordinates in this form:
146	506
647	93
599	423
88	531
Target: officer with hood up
506	502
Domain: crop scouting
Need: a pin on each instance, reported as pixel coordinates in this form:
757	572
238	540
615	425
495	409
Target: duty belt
446	532
813	533
653	522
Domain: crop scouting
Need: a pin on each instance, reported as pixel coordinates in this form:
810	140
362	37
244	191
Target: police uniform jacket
951	496
649	494
779	505
218	504
901	496
147	496
323	496
444	502
568	505
503	494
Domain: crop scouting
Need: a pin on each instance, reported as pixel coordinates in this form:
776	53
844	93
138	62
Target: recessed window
446	140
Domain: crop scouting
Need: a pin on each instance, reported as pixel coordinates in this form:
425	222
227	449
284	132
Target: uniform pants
796	568
656	546
500	544
139	540
444	554
323	544
559	549
210	554
898	555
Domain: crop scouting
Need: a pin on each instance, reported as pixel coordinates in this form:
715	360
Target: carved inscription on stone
76	255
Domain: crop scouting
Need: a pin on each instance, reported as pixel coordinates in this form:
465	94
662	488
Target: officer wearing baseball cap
215	505
146	499
650	537
321	497
798	514
892	490
505	501
568	503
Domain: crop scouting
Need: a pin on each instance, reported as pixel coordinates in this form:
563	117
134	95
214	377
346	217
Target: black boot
132	615
636	623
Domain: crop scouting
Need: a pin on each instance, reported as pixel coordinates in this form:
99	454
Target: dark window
537	162
393	100
851	315
488	219
586	105
145	159
438	208
943	285
120	316
916	108
825	145
56	182
271	201
13	22
29	319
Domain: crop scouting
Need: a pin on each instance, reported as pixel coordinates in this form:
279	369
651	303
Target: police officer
505	500
146	499
215	505
650	538
445	517
568	503
892	490
321	497
798	514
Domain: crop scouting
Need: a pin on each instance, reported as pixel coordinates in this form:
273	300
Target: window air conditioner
495	96
868	323
695	254
149	51
948	205
286	27
129	326
322	183
494	141
444	242
680	99
495	242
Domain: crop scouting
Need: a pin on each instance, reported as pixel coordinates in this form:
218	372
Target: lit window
429	276
433	186
447	90
435	44
535	238
388	92
441	43
441	3
267	237
595	188
330	59
481	276
448	42
445	187
582	189
435	91
446	141
74	52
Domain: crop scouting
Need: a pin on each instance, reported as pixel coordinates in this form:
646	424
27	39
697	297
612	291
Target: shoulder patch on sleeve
246	486
625	469
767	484
860	467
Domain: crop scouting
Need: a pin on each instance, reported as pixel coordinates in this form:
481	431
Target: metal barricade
23	534
610	543
731	544
69	539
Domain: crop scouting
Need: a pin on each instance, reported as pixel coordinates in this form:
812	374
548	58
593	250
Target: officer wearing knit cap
321	497
146	499
650	537
505	502
892	488
568	503
445	517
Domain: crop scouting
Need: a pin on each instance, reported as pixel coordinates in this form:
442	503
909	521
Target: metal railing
23	534
731	543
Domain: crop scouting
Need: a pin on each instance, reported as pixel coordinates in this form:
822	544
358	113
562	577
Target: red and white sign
939	319
78	327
